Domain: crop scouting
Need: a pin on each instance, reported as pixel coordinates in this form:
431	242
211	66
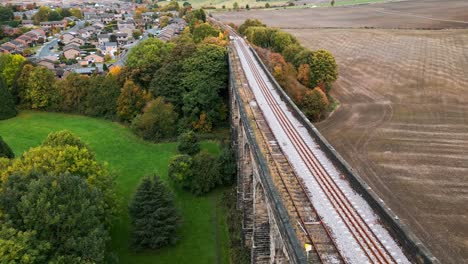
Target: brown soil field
434	14
403	118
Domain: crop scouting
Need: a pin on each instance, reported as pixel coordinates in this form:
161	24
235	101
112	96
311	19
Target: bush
180	170
158	121
5	150
250	23
7	103
154	218
188	143
227	166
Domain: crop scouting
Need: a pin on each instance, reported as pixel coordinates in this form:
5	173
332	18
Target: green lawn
204	231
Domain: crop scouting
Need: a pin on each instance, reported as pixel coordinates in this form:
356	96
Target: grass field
204	231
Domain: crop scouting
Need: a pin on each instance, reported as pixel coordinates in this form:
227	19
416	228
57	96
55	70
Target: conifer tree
5	150
153	215
7	104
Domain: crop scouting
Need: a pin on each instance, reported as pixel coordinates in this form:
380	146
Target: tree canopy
7	103
5	150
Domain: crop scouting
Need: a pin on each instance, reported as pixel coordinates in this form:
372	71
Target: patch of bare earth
403	119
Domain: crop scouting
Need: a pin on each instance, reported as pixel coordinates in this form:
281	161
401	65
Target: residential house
110	48
67	37
147	17
106	18
78	41
71	52
98	26
53	24
87	71
126	26
49	64
122	38
94	58
27	23
90	15
118	16
7	48
139	23
103	38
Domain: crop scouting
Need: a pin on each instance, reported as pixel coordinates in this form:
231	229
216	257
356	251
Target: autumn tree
10	66
323	69
314	104
203	31
39	91
154	218
5	150
131	101
303	74
290	52
72	92
6	13
281	39
63	138
158	121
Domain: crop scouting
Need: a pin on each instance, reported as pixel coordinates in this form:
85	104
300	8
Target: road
46	50
354	225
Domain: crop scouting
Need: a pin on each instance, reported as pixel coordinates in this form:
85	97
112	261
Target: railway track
368	242
307	222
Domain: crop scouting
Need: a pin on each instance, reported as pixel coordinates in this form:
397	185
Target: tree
101	96
250	23
235	6
21	247
39	91
154	218
226	164
158	121
62	212
281	40
167	80
72	92
188	143
6	14
55	16
267	5
68	159
7	104
42	15
180	170
205	78
323	69
63	138
10	66
303	74
154	51
332	3
247	7
314	104
205	173
290	52
131	101
5	150
136	34
203	31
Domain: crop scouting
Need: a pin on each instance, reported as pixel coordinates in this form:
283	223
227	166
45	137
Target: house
103	38
53	24
67	37
49	64
118	16
71	52
7	48
110	48
27	23
90	15
87	71
106	18
122	38
126	26
78	40
147	17
98	25
94	58
139	23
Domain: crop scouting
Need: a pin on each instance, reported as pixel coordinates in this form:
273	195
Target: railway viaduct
277	217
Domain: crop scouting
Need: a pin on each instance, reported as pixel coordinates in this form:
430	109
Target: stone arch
261	232
247	194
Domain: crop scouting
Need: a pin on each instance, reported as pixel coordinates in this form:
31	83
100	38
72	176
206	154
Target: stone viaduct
270	228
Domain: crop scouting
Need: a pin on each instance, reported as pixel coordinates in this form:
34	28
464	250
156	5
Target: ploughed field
403	118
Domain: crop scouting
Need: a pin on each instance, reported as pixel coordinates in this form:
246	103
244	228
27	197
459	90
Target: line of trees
178	85
307	76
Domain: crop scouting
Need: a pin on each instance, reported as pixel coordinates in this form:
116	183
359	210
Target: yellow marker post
308	247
